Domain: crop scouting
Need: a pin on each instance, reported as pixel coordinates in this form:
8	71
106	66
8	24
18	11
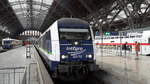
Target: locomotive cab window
75	34
7	42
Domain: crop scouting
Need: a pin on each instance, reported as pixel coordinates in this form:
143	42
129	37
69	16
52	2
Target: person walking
125	47
137	49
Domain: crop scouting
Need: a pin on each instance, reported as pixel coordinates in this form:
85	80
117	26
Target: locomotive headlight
64	56
76	43
89	56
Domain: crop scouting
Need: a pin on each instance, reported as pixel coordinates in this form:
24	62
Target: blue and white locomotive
67	47
9	43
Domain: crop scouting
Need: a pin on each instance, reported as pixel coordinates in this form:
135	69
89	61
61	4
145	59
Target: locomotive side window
43	42
7	42
48	41
40	42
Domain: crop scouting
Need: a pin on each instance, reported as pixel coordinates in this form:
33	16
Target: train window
148	40
76	34
7	42
132	36
48	46
43	42
127	37
139	36
112	41
112	37
116	37
48	35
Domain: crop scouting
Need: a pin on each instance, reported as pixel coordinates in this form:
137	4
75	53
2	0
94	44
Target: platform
125	69
16	68
1	49
13	58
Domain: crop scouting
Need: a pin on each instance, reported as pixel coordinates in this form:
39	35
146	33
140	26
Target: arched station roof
19	15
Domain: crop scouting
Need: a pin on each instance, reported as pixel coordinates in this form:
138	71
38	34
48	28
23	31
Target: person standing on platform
125	47
137	49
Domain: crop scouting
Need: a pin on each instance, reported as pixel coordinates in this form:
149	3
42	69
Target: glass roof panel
36	6
43	8
36	12
122	14
143	5
148	1
15	0
24	5
12	0
16	6
49	2
21	12
38	0
26	10
129	6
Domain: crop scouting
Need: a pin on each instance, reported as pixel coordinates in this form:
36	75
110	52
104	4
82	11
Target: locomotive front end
76	50
67	49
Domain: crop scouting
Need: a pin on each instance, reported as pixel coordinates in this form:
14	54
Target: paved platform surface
16	68
13	58
14	64
1	49
125	69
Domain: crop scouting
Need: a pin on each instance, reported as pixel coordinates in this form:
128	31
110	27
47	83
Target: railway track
92	78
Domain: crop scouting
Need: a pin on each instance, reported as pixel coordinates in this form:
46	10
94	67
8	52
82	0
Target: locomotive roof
72	22
7	39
